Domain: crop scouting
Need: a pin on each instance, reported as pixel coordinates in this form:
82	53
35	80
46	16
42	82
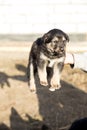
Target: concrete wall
38	16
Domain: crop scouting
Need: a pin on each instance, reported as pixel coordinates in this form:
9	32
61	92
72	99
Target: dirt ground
22	110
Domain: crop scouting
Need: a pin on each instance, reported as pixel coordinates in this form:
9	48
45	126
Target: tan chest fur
51	61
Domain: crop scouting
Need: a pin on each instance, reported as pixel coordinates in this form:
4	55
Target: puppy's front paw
54	87
44	83
55	84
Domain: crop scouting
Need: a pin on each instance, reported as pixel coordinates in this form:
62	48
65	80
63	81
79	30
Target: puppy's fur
47	58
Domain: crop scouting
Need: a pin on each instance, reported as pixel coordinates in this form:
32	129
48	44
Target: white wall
38	16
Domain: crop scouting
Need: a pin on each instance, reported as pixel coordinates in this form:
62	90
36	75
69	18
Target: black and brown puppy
47	53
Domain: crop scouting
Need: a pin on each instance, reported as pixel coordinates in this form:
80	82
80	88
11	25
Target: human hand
69	59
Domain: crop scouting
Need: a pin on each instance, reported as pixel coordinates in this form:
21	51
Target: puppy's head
55	42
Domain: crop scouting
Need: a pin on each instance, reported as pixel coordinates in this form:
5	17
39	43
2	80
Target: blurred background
25	20
39	16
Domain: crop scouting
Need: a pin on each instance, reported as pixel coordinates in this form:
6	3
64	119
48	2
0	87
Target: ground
22	110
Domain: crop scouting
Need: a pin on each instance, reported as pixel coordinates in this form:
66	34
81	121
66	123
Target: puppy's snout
54	46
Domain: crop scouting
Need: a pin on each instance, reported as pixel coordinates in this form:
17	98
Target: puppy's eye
55	41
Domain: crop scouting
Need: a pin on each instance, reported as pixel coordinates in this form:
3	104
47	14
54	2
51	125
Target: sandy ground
22	110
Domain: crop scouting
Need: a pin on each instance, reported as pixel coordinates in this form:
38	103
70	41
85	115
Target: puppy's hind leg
30	74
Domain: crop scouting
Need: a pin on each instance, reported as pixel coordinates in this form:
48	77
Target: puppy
47	57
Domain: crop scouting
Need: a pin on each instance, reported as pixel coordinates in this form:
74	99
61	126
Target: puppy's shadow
62	107
4	79
21	77
21	68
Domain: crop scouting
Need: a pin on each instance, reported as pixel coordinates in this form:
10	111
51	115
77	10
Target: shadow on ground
62	107
4	78
59	109
21	68
17	123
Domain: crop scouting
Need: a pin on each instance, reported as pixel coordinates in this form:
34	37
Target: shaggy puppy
47	58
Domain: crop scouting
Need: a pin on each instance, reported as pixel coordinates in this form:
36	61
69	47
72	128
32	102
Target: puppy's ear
46	38
65	38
